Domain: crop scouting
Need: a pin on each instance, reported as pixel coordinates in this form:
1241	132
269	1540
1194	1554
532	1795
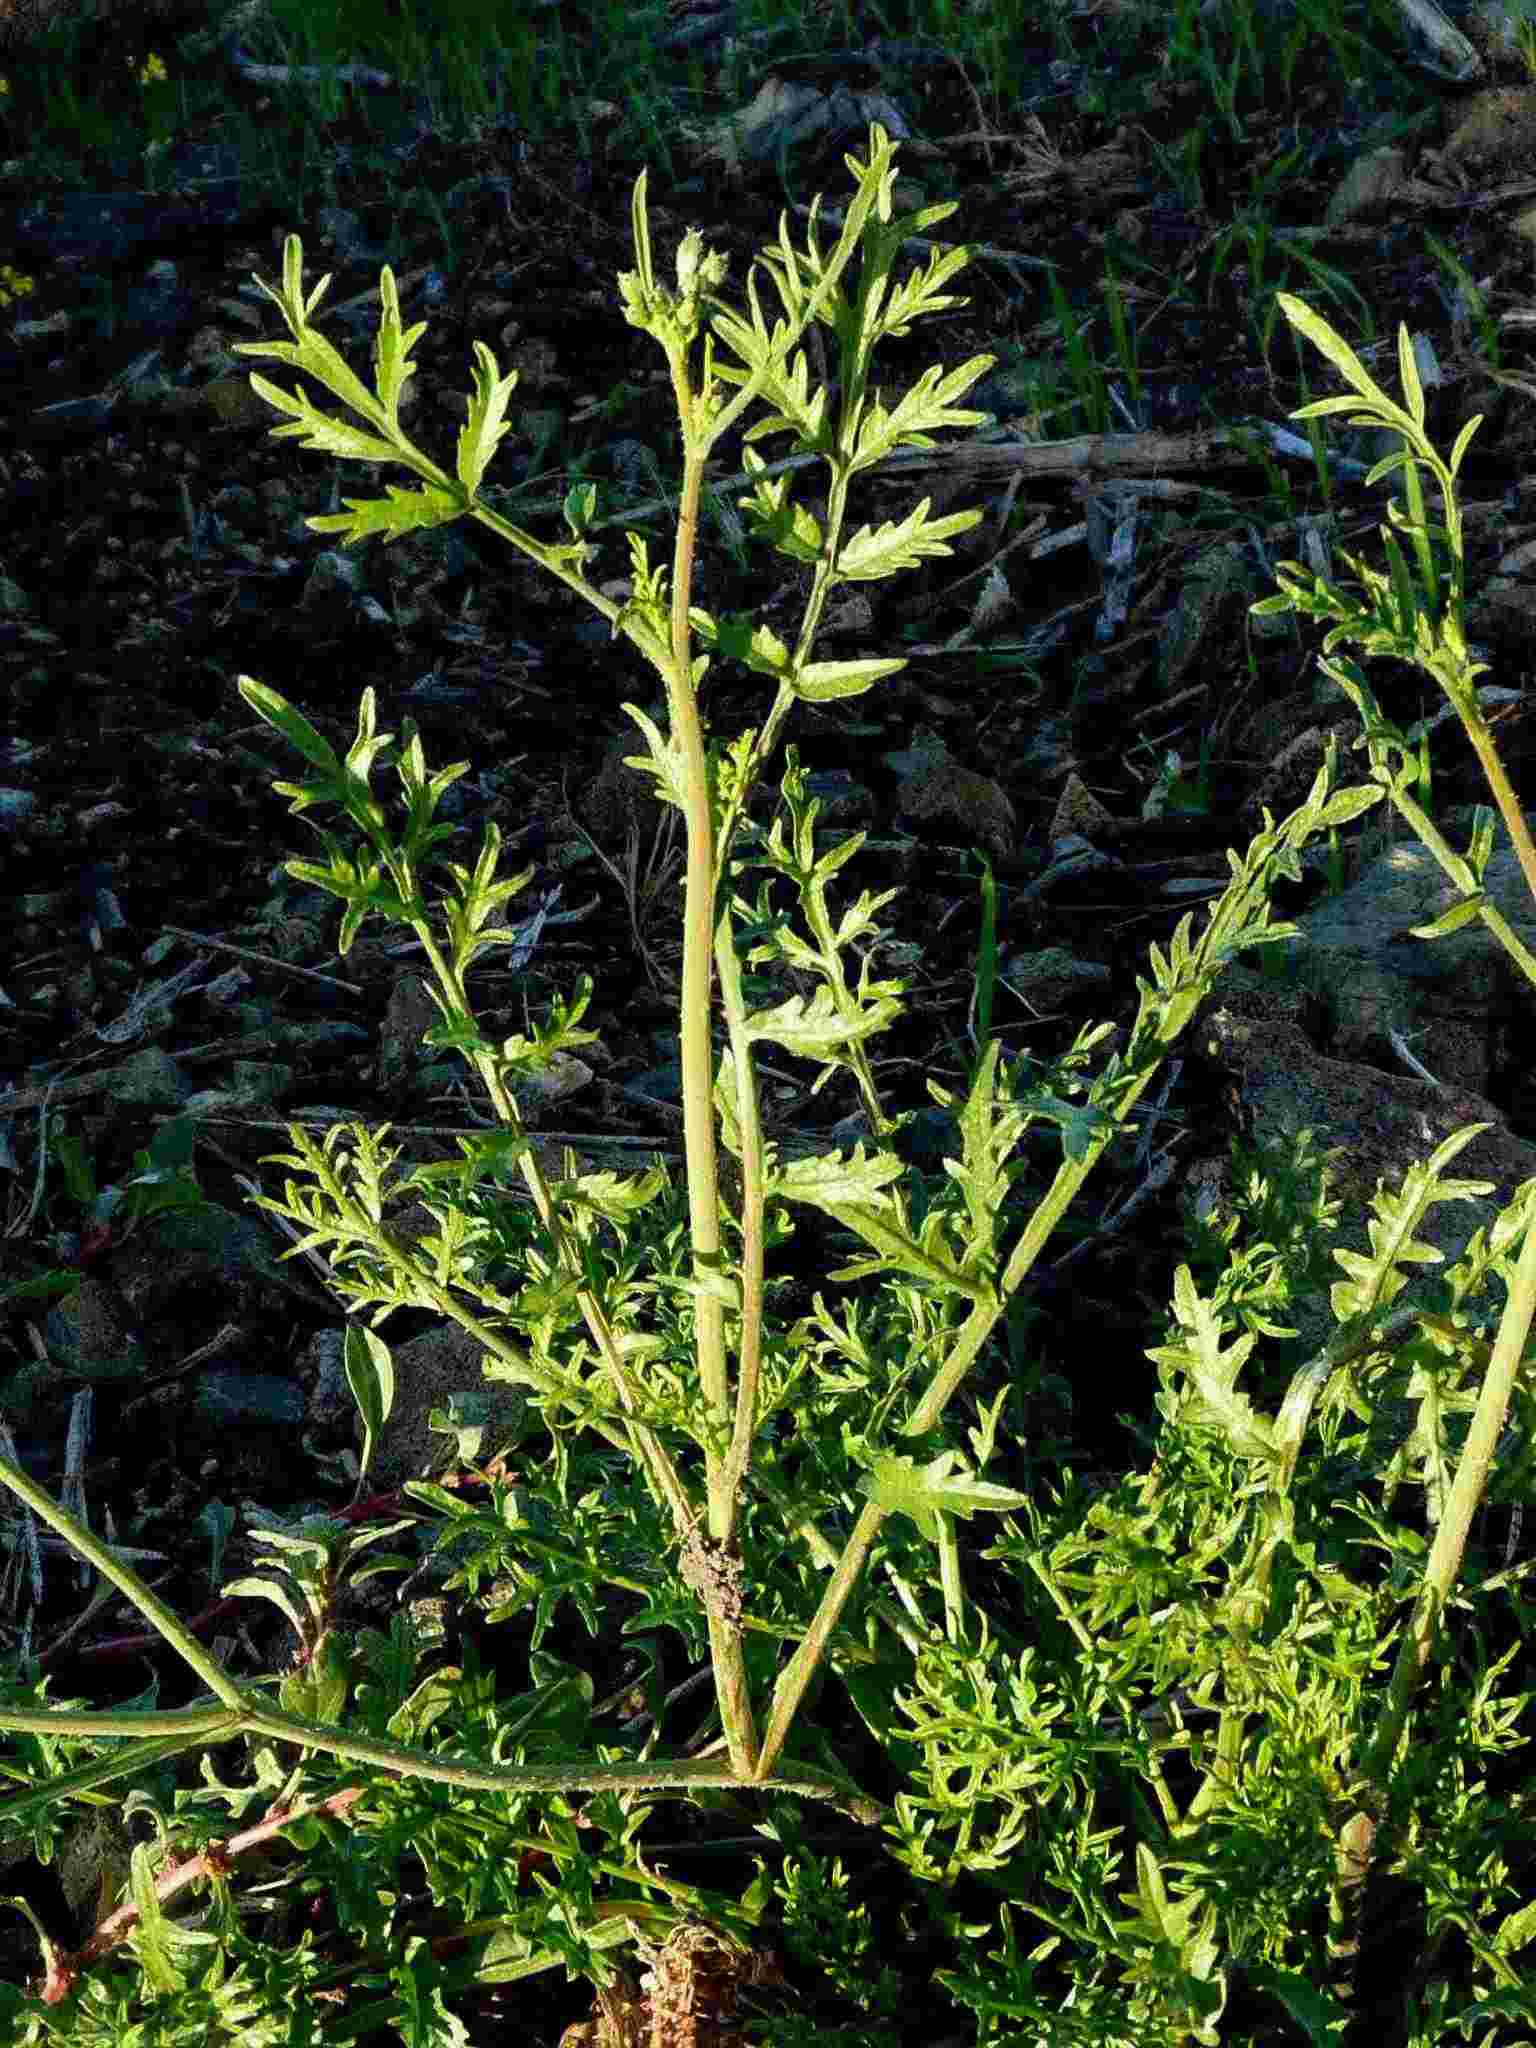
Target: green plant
1473	303
1414	612
1251	239
163	1184
1178	787
1124	335
1232	52
163	105
1086	376
1180	1686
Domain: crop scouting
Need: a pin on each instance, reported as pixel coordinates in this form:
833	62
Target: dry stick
215	1861
1134	457
265	960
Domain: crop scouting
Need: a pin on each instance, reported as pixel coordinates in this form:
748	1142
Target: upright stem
696	1051
1504	796
696	1055
1467	1489
963	1353
642	1441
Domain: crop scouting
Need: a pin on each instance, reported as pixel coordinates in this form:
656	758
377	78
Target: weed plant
1151	1752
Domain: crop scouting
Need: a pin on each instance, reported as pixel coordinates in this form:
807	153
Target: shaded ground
153	555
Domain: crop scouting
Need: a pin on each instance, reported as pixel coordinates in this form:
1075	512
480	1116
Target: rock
1055	980
184	1254
1293	771
1374	1126
1456	1001
938	790
844	802
409	1015
1496	134
1078	812
151	1079
428	1370
90	1332
227	1398
1212	603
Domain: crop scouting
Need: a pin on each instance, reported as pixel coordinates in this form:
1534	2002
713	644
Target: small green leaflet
820	1026
401	511
830	1177
486	423
820	681
874	552
925	1492
371	1376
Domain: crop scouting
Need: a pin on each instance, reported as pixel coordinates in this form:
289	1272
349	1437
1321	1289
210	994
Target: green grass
476	62
98	103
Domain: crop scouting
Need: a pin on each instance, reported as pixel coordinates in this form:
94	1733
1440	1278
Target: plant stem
1467	1489
753	1167
1503	793
696	1057
695	1047
150	1605
973	1333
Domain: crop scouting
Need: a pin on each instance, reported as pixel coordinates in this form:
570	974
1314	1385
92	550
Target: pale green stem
753	1169
949	1578
1068	1613
1467	1489
1221	1772
696	1056
695	1048
640	1441
1453	649
150	1605
973	1333
193	1727
1509	809
798	1672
